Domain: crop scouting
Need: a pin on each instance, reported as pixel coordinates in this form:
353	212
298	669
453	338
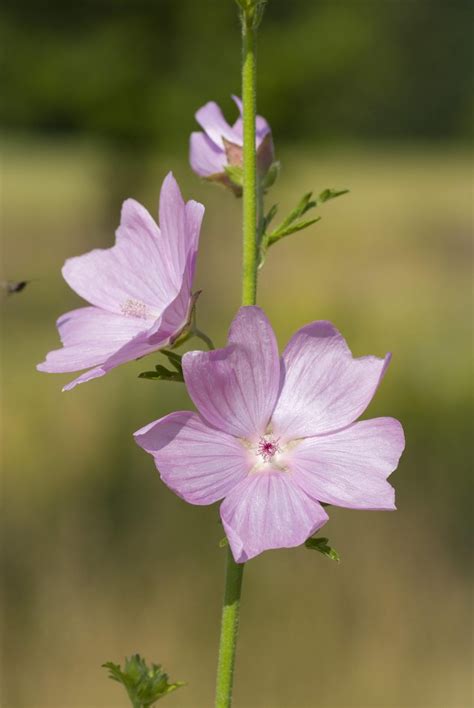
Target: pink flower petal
145	265
90	335
199	463
141	286
210	118
325	388
267	510
95	373
235	388
349	468
205	157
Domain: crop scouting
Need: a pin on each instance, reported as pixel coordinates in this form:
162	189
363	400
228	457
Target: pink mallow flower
139	290
275	437
221	145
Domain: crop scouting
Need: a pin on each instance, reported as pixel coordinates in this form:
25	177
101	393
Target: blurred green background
100	558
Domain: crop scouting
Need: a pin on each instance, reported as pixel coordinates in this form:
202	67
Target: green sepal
223	543
144	685
271	175
235	175
322	545
252	11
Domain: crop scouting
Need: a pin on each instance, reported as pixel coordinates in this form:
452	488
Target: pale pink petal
93	324
349	467
267	510
325	388
205	157
178	313
129	271
89	336
210	118
194	214
153	256
172	217
235	388
199	463
95	373
144	268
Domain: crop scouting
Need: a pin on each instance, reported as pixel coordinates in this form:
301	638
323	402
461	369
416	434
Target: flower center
134	308
267	448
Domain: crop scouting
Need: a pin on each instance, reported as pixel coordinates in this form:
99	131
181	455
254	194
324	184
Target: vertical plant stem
250	195
234	571
229	631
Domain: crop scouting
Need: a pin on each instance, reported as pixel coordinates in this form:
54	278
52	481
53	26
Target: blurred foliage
133	73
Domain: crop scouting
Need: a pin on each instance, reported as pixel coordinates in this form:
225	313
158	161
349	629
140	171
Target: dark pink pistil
267	448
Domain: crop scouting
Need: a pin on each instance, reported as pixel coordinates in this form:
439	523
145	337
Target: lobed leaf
144	685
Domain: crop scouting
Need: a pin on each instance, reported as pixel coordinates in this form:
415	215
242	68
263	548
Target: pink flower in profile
139	290
221	144
275	437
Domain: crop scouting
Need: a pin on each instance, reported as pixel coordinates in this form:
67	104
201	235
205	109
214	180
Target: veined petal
172	217
130	271
266	511
144	268
349	468
235	388
210	118
109	340
199	463
95	373
89	336
325	388
194	214
205	157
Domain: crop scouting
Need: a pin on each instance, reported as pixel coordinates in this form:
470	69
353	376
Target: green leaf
293	221
301	208
161	373
291	229
144	685
322	545
174	359
268	218
328	194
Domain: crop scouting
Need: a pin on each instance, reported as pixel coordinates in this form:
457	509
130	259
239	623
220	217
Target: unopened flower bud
216	153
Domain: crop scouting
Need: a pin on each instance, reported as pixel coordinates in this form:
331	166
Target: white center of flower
134	308
267	455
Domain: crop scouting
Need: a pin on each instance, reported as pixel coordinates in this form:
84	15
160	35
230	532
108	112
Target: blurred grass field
102	560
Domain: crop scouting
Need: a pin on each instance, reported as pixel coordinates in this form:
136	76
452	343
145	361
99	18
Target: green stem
229	631
251	216
203	336
250	188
